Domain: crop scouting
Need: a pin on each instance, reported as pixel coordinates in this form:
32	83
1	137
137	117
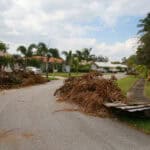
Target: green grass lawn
126	83
63	74
147	89
140	123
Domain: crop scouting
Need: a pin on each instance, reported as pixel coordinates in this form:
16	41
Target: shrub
84	68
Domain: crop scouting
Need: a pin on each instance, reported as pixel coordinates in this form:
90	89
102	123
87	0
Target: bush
84	68
142	71
34	63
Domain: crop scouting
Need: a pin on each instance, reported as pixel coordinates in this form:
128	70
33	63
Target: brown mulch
18	79
89	92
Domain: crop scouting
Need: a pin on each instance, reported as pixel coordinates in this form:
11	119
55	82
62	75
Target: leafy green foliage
142	70
131	61
42	49
69	57
54	52
84	68
26	51
34	62
3	47
143	52
142	124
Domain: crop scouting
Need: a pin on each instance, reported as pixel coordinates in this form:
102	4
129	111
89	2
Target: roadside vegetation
142	124
147	89
126	83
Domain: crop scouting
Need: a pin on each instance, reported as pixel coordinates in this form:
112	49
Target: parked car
34	69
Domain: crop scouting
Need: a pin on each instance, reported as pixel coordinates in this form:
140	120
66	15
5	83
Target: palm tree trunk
25	64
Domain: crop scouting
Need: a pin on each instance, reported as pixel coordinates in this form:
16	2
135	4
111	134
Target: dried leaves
89	92
19	78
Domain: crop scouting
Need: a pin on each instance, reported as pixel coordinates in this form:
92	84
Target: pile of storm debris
18	79
89	92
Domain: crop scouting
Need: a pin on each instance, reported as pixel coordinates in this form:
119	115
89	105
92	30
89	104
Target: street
28	121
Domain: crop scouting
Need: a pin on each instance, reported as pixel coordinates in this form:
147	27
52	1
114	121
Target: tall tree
75	62
99	58
42	49
69	59
54	52
132	60
3	47
79	55
26	51
143	51
86	53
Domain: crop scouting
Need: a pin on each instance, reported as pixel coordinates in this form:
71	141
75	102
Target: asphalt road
28	122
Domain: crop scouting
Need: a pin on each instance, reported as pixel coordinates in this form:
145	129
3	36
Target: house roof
51	59
109	64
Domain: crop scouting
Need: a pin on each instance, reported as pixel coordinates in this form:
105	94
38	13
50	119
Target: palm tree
54	52
143	51
69	59
42	49
76	62
26	51
79	55
3	59
86	53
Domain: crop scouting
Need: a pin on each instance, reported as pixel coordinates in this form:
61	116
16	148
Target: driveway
28	122
117	75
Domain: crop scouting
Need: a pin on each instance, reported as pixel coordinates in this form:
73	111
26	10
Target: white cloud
114	51
61	22
117	50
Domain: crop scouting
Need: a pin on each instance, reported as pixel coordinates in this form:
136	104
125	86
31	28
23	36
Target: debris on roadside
113	77
19	79
89	92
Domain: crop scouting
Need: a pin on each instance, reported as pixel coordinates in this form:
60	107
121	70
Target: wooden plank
139	109
131	107
114	104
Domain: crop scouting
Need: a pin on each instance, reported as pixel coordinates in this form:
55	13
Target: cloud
67	23
115	51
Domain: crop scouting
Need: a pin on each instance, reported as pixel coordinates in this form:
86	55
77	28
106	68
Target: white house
108	67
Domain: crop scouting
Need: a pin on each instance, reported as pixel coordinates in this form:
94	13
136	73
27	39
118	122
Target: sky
109	27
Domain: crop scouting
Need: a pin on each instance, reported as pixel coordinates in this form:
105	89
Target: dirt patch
27	135
89	92
5	134
14	134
